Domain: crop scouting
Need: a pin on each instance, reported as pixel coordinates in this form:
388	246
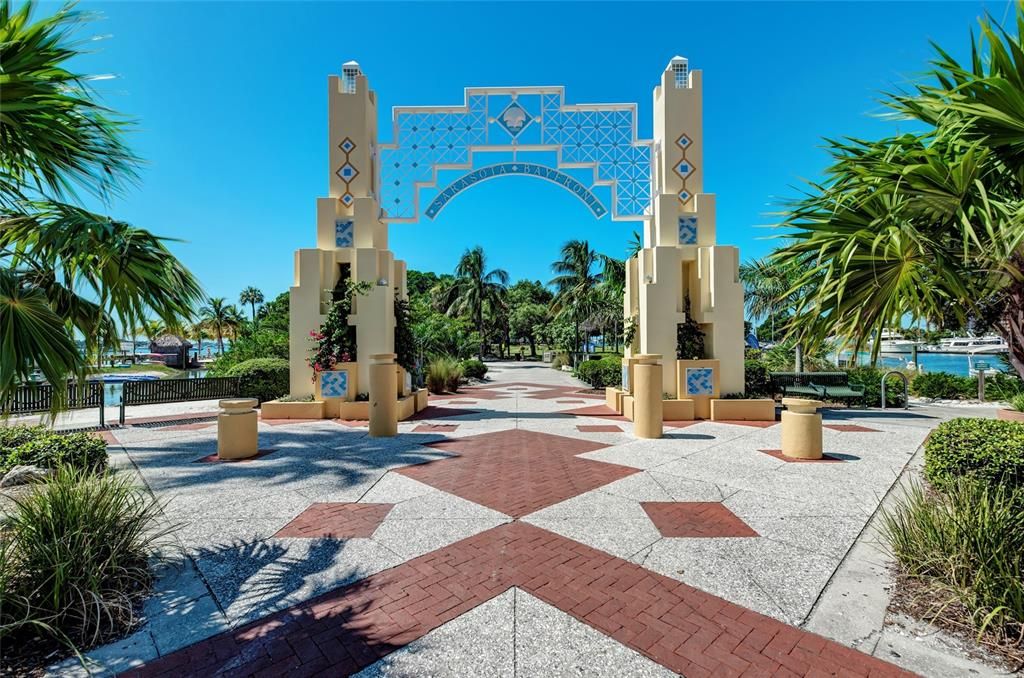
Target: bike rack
906	388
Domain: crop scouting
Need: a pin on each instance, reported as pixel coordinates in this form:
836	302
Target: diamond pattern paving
684	629
696	519
336	521
851	428
516	472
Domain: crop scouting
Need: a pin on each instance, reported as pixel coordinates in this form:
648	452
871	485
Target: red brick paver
696	519
435	412
598	428
435	428
602	411
336	521
781	457
684	629
214	459
851	428
516	472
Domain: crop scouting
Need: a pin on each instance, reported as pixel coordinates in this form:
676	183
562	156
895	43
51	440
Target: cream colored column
383	396
801	428
237	434
647	404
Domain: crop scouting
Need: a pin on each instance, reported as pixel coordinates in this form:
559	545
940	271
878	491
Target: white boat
988	344
893	342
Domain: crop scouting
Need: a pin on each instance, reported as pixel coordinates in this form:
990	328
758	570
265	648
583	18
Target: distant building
173	349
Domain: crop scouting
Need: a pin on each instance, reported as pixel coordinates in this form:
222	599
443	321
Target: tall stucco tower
680	258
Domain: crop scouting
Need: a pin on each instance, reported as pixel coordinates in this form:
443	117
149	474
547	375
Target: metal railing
176	390
34	398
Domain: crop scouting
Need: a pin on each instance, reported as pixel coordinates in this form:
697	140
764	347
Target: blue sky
231	104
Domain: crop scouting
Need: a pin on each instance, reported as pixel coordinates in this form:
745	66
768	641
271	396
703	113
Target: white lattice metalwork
681	72
521	120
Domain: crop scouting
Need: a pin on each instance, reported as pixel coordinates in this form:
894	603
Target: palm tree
197	331
63	269
923	225
252	296
221	318
769	287
612	292
474	290
574	283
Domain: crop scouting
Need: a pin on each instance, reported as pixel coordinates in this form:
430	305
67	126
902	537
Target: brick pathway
336	521
696	519
676	625
516	472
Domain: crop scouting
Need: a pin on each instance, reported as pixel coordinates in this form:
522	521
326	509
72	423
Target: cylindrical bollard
383	396
801	428
237	434
647	390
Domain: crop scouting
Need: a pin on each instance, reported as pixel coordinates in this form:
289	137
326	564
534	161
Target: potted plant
1015	412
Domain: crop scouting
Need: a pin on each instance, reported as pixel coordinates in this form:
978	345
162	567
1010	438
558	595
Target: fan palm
94	273
923	225
252	296
474	290
575	282
221	318
770	287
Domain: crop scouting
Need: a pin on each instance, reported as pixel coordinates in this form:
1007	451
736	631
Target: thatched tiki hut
174	349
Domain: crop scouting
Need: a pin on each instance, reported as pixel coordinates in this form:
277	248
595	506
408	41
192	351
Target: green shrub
50	450
757	379
966	546
944	385
1017	402
73	559
988	449
474	369
444	375
1003	386
14	436
261	378
871	379
601	373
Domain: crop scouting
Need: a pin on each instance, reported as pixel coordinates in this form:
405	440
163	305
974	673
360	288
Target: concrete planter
422	398
275	409
740	409
406	407
354	411
1010	415
679	409
613	398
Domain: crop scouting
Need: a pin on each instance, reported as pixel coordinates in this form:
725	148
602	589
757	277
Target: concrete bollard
383	396
801	428
647	402
237	434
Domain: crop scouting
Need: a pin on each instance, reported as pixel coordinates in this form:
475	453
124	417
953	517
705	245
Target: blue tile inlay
334	384
625	378
688	230
343	233
700	381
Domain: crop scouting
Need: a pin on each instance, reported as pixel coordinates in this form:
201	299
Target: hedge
38	446
474	369
987	449
261	378
944	385
601	373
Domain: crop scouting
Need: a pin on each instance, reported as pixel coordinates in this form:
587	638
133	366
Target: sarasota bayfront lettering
525	168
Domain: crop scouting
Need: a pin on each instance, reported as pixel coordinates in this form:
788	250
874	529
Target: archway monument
436	152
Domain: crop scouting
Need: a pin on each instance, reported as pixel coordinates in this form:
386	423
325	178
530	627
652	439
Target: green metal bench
824	385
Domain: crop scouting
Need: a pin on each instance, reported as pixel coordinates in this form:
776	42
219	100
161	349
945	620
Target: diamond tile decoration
684	141
344	230
336	521
516	472
688	230
684	169
347	199
347	172
700	381
334	384
705	519
347	145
